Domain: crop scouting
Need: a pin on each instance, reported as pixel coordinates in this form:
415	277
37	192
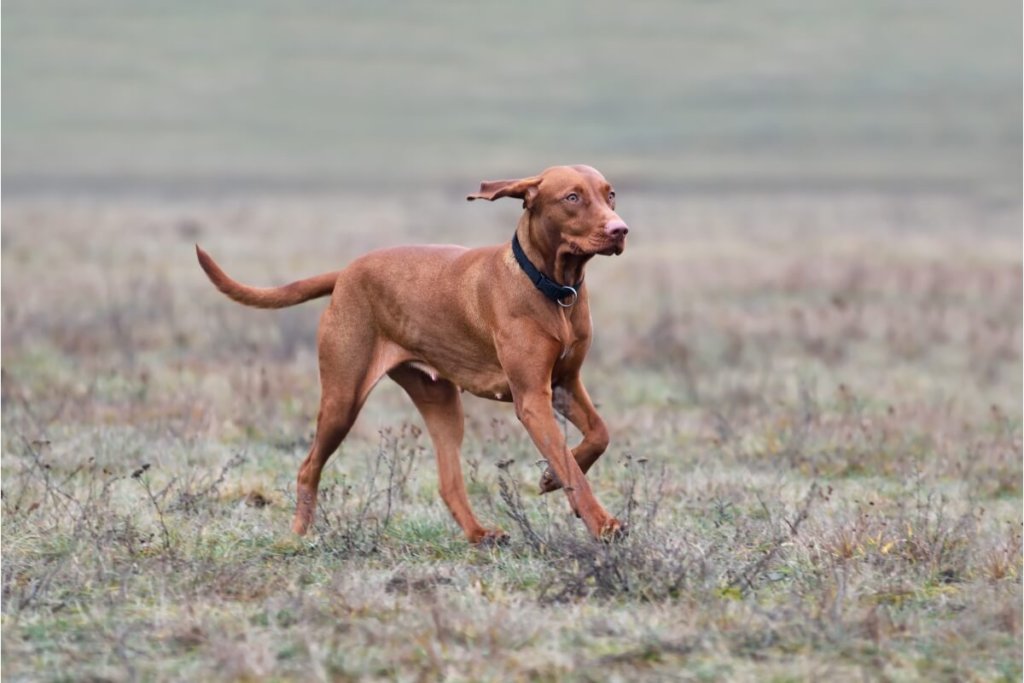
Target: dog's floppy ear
524	188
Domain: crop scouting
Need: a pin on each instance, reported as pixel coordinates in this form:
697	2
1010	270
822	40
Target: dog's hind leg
352	361
440	405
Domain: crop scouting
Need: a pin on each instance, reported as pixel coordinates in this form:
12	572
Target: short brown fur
443	319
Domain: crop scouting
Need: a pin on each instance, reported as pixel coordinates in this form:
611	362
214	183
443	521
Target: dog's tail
267	297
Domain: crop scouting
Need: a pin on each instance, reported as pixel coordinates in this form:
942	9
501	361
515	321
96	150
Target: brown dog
492	321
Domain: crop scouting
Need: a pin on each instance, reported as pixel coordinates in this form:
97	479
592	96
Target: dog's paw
490	538
302	521
305	509
549	482
613	530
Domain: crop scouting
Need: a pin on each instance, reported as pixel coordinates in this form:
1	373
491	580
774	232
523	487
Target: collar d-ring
572	293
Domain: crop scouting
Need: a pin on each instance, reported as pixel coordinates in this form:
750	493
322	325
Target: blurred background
187	98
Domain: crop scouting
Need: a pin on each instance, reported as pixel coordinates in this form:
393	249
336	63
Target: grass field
809	356
817	441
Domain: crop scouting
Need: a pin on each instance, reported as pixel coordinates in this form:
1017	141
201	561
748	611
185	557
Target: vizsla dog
509	322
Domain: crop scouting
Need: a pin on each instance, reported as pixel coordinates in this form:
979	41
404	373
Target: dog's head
573	205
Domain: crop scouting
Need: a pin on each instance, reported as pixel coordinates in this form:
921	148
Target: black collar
563	295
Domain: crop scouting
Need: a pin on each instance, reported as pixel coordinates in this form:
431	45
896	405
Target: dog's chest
569	361
574	338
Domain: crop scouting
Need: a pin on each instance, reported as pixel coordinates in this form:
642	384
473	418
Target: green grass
818	446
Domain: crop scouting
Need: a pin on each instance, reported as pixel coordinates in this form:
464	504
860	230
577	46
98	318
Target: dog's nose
616	229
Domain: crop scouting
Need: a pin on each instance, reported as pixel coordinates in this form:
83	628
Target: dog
509	322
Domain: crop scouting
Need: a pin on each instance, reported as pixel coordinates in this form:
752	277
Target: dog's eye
572	198
611	196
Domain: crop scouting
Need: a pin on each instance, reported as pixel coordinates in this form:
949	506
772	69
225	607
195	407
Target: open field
815	405
809	355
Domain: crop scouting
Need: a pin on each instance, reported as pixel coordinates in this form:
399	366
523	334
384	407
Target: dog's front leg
529	372
579	409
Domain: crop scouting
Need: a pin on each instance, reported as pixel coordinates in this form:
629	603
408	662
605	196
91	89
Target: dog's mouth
613	249
604	248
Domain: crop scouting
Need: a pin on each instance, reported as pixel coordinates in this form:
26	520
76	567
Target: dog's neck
554	258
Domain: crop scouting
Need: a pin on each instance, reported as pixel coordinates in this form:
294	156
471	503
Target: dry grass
815	404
